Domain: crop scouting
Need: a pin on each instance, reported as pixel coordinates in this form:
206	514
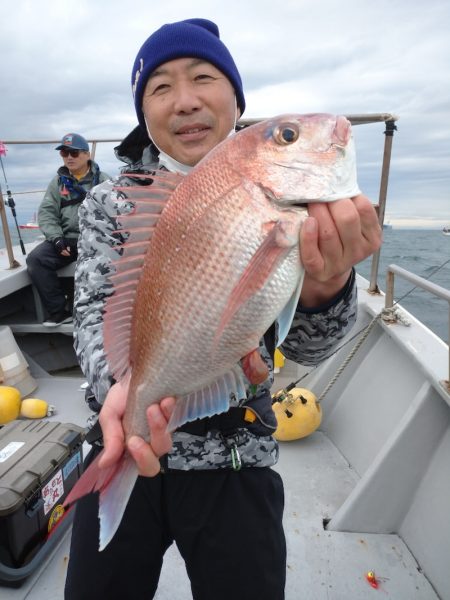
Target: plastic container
13	366
40	462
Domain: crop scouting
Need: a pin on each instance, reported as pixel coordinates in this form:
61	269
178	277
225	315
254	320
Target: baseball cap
75	141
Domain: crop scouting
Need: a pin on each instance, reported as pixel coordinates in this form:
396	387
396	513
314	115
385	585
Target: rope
366	333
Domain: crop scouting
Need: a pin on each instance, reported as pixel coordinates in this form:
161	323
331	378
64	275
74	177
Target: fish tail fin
115	485
114	499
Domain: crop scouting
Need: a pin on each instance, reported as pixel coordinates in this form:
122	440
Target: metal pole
389	299
389	133
424	284
13	264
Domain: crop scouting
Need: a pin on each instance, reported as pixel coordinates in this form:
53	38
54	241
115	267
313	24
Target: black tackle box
40	462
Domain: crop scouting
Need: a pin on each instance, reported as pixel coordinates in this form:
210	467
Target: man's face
189	106
75	160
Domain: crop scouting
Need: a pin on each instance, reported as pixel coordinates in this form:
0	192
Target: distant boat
387	226
446	231
31	224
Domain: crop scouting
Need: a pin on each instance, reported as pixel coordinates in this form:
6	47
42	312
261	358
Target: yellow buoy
9	404
298	414
34	408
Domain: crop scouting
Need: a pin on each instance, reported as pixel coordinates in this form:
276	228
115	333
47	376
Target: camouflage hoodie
313	336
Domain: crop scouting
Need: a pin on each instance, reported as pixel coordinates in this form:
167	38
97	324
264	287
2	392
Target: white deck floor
321	564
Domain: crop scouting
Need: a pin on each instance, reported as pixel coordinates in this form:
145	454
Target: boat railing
424	284
355	119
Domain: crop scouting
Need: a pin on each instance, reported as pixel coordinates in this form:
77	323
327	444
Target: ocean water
424	252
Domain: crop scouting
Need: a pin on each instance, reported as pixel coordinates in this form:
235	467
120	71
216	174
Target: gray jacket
58	211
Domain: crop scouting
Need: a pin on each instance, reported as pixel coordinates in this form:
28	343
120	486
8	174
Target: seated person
58	221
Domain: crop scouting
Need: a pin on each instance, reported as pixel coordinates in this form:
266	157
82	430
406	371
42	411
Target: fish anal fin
210	400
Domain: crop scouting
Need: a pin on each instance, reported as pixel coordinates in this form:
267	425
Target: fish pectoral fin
254	367
115	485
263	263
210	400
286	316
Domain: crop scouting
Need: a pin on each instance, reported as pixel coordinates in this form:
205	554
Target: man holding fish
193	266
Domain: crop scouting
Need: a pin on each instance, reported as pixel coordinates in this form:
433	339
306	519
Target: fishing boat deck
321	563
17	290
377	468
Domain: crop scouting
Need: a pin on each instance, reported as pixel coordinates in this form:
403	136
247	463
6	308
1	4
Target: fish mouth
284	202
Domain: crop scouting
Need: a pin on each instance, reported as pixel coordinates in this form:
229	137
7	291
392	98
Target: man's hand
62	246
336	236
145	454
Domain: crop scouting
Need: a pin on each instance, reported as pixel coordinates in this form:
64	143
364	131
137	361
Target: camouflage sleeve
314	334
96	250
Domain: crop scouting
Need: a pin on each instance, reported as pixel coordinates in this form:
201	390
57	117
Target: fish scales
207	234
191	276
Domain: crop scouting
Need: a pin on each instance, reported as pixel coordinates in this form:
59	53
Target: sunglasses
73	153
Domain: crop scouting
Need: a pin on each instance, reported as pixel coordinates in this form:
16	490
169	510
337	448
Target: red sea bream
212	260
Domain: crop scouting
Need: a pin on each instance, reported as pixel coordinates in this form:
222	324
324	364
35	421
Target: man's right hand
145	454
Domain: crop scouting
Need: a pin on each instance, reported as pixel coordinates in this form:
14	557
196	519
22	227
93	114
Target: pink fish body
212	260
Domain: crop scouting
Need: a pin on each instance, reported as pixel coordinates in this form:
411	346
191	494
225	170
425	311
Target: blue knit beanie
196	38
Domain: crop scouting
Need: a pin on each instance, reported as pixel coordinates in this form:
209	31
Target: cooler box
40	462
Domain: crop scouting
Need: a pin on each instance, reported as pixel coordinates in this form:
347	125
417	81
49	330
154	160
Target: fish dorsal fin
210	400
137	226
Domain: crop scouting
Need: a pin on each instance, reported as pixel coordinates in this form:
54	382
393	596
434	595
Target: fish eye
286	133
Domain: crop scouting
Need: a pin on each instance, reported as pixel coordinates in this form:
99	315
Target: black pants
227	526
42	263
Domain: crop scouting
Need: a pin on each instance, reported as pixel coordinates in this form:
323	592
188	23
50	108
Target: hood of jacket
137	150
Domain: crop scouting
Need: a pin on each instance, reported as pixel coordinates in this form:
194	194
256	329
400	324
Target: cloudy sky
65	66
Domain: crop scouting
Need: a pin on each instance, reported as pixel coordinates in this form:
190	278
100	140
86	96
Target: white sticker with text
53	491
9	450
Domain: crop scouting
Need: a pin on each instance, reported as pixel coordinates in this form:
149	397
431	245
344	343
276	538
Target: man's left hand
336	236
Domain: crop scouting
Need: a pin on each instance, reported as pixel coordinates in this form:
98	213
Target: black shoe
59	319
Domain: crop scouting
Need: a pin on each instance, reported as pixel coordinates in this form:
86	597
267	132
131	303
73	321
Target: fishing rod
9	200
